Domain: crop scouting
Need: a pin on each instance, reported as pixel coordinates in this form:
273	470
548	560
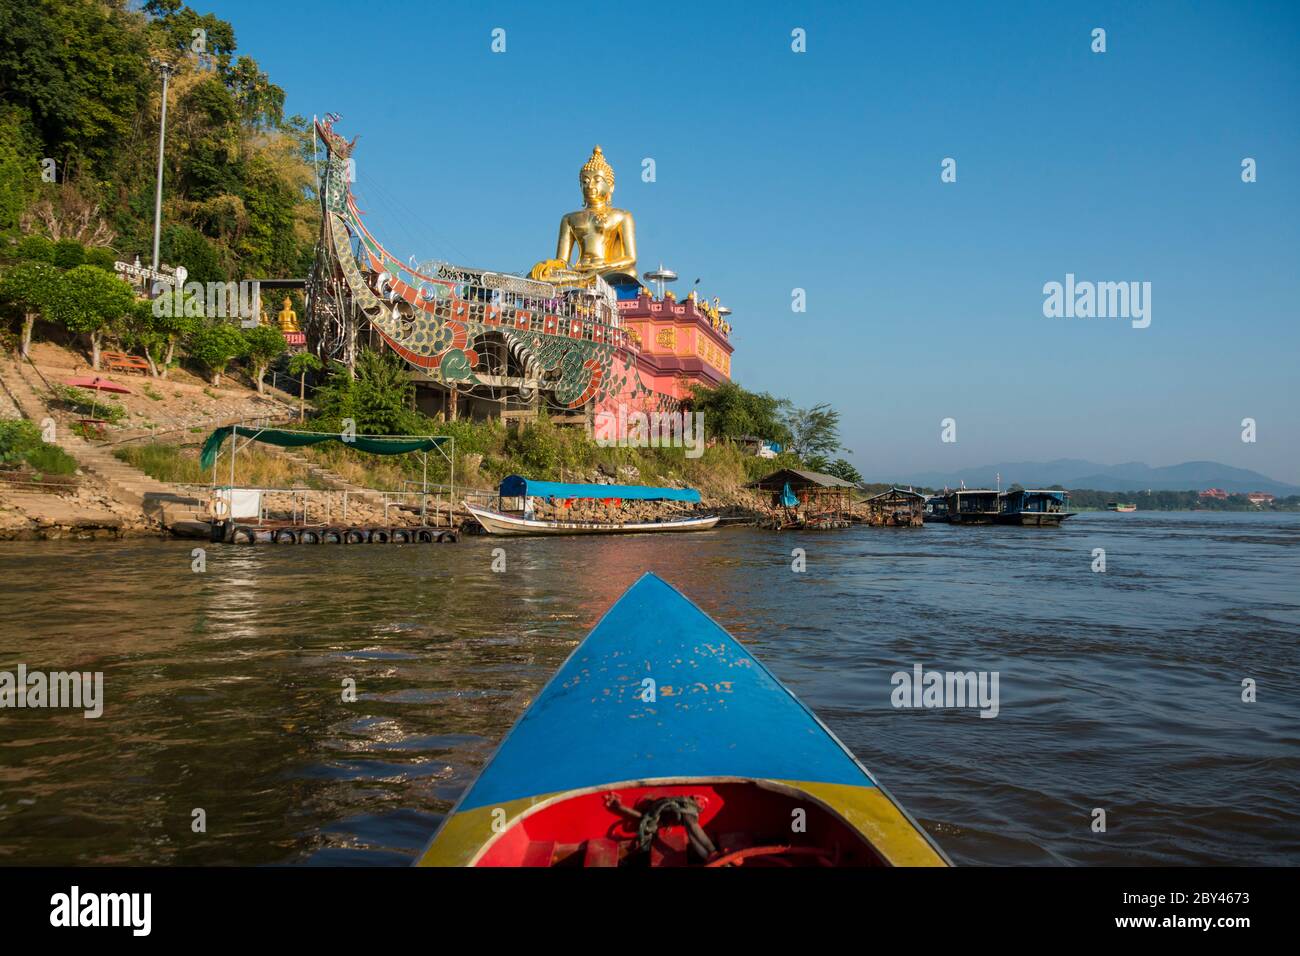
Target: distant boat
1120	506
496	522
705	766
973	506
936	509
1037	507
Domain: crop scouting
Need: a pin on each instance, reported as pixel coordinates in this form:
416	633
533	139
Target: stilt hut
896	508
808	499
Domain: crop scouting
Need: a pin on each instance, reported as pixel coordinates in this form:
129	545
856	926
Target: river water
1119	691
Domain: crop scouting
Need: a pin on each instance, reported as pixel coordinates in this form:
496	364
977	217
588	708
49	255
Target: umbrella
99	385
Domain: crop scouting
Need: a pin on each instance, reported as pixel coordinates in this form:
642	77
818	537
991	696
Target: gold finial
597	164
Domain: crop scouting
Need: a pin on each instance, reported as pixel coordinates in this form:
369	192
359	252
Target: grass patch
486	452
179	464
20	444
84	402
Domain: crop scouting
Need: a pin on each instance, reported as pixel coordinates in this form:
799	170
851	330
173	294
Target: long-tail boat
522	520
661	741
497	522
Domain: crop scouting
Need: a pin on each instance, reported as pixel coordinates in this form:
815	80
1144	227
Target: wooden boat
661	741
1121	506
496	522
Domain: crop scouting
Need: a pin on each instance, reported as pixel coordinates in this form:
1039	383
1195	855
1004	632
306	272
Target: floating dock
238	532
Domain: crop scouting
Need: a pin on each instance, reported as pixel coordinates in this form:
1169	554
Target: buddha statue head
597	180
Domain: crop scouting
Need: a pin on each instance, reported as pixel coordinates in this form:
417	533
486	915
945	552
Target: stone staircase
158	501
331	479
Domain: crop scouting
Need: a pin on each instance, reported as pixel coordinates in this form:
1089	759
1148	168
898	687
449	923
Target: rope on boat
687	811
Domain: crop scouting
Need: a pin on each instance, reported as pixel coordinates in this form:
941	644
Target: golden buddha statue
605	237
288	317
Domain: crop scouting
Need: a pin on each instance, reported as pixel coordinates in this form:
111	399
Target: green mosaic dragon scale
452	322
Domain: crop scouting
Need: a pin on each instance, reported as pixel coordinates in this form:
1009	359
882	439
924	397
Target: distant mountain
1129	476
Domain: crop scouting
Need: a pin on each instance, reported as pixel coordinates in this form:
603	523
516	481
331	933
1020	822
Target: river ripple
1119	690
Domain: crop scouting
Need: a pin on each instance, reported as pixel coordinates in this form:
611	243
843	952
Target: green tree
215	346
185	246
378	399
173	315
261	102
19	172
90	303
263	344
30	290
730	411
844	470
174	23
814	431
80	70
270	247
211	164
300	365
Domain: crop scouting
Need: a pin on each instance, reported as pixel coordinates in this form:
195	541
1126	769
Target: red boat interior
704	824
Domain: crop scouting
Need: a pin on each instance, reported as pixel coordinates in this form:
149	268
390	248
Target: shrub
68	254
378	400
20	442
101	258
36	249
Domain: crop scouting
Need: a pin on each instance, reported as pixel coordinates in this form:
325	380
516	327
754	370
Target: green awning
285	438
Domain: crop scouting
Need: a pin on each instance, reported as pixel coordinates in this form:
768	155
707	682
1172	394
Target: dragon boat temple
575	335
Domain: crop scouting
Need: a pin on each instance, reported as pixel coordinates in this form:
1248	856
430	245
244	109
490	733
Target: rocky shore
68	512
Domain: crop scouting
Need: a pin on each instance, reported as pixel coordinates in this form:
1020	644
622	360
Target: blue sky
821	171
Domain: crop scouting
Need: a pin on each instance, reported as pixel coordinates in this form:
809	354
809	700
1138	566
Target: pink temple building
675	345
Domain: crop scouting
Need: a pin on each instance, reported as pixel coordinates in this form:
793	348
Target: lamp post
166	69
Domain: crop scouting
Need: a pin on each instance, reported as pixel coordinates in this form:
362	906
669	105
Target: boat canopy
287	438
517	486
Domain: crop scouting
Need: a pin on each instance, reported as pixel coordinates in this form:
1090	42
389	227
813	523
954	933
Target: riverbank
143	469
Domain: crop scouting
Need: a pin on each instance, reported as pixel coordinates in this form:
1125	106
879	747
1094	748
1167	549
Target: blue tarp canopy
788	497
516	486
